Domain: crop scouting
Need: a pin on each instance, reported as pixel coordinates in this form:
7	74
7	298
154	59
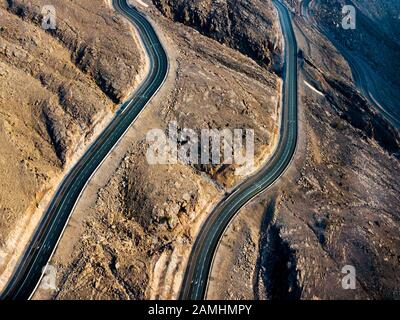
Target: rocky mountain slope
57	89
131	237
336	206
370	47
247	26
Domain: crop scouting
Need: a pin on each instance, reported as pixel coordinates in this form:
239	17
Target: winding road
195	281
28	273
45	240
364	79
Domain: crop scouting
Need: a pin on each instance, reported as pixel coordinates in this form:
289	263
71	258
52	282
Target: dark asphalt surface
196	277
29	271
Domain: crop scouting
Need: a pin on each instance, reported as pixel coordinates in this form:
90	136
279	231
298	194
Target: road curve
28	273
196	277
363	79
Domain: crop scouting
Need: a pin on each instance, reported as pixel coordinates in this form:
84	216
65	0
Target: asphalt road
365	83
196	277
29	270
363	78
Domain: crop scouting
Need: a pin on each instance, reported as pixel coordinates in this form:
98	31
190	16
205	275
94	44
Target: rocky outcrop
135	239
337	204
101	46
369	48
56	88
248	26
354	108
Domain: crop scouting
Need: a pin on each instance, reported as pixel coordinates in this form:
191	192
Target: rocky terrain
132	233
247	26
347	188
57	89
371	46
336	206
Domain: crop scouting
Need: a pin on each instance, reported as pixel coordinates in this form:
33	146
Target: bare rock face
135	223
337	205
384	14
56	88
247	26
99	42
355	108
348	214
135	240
370	47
